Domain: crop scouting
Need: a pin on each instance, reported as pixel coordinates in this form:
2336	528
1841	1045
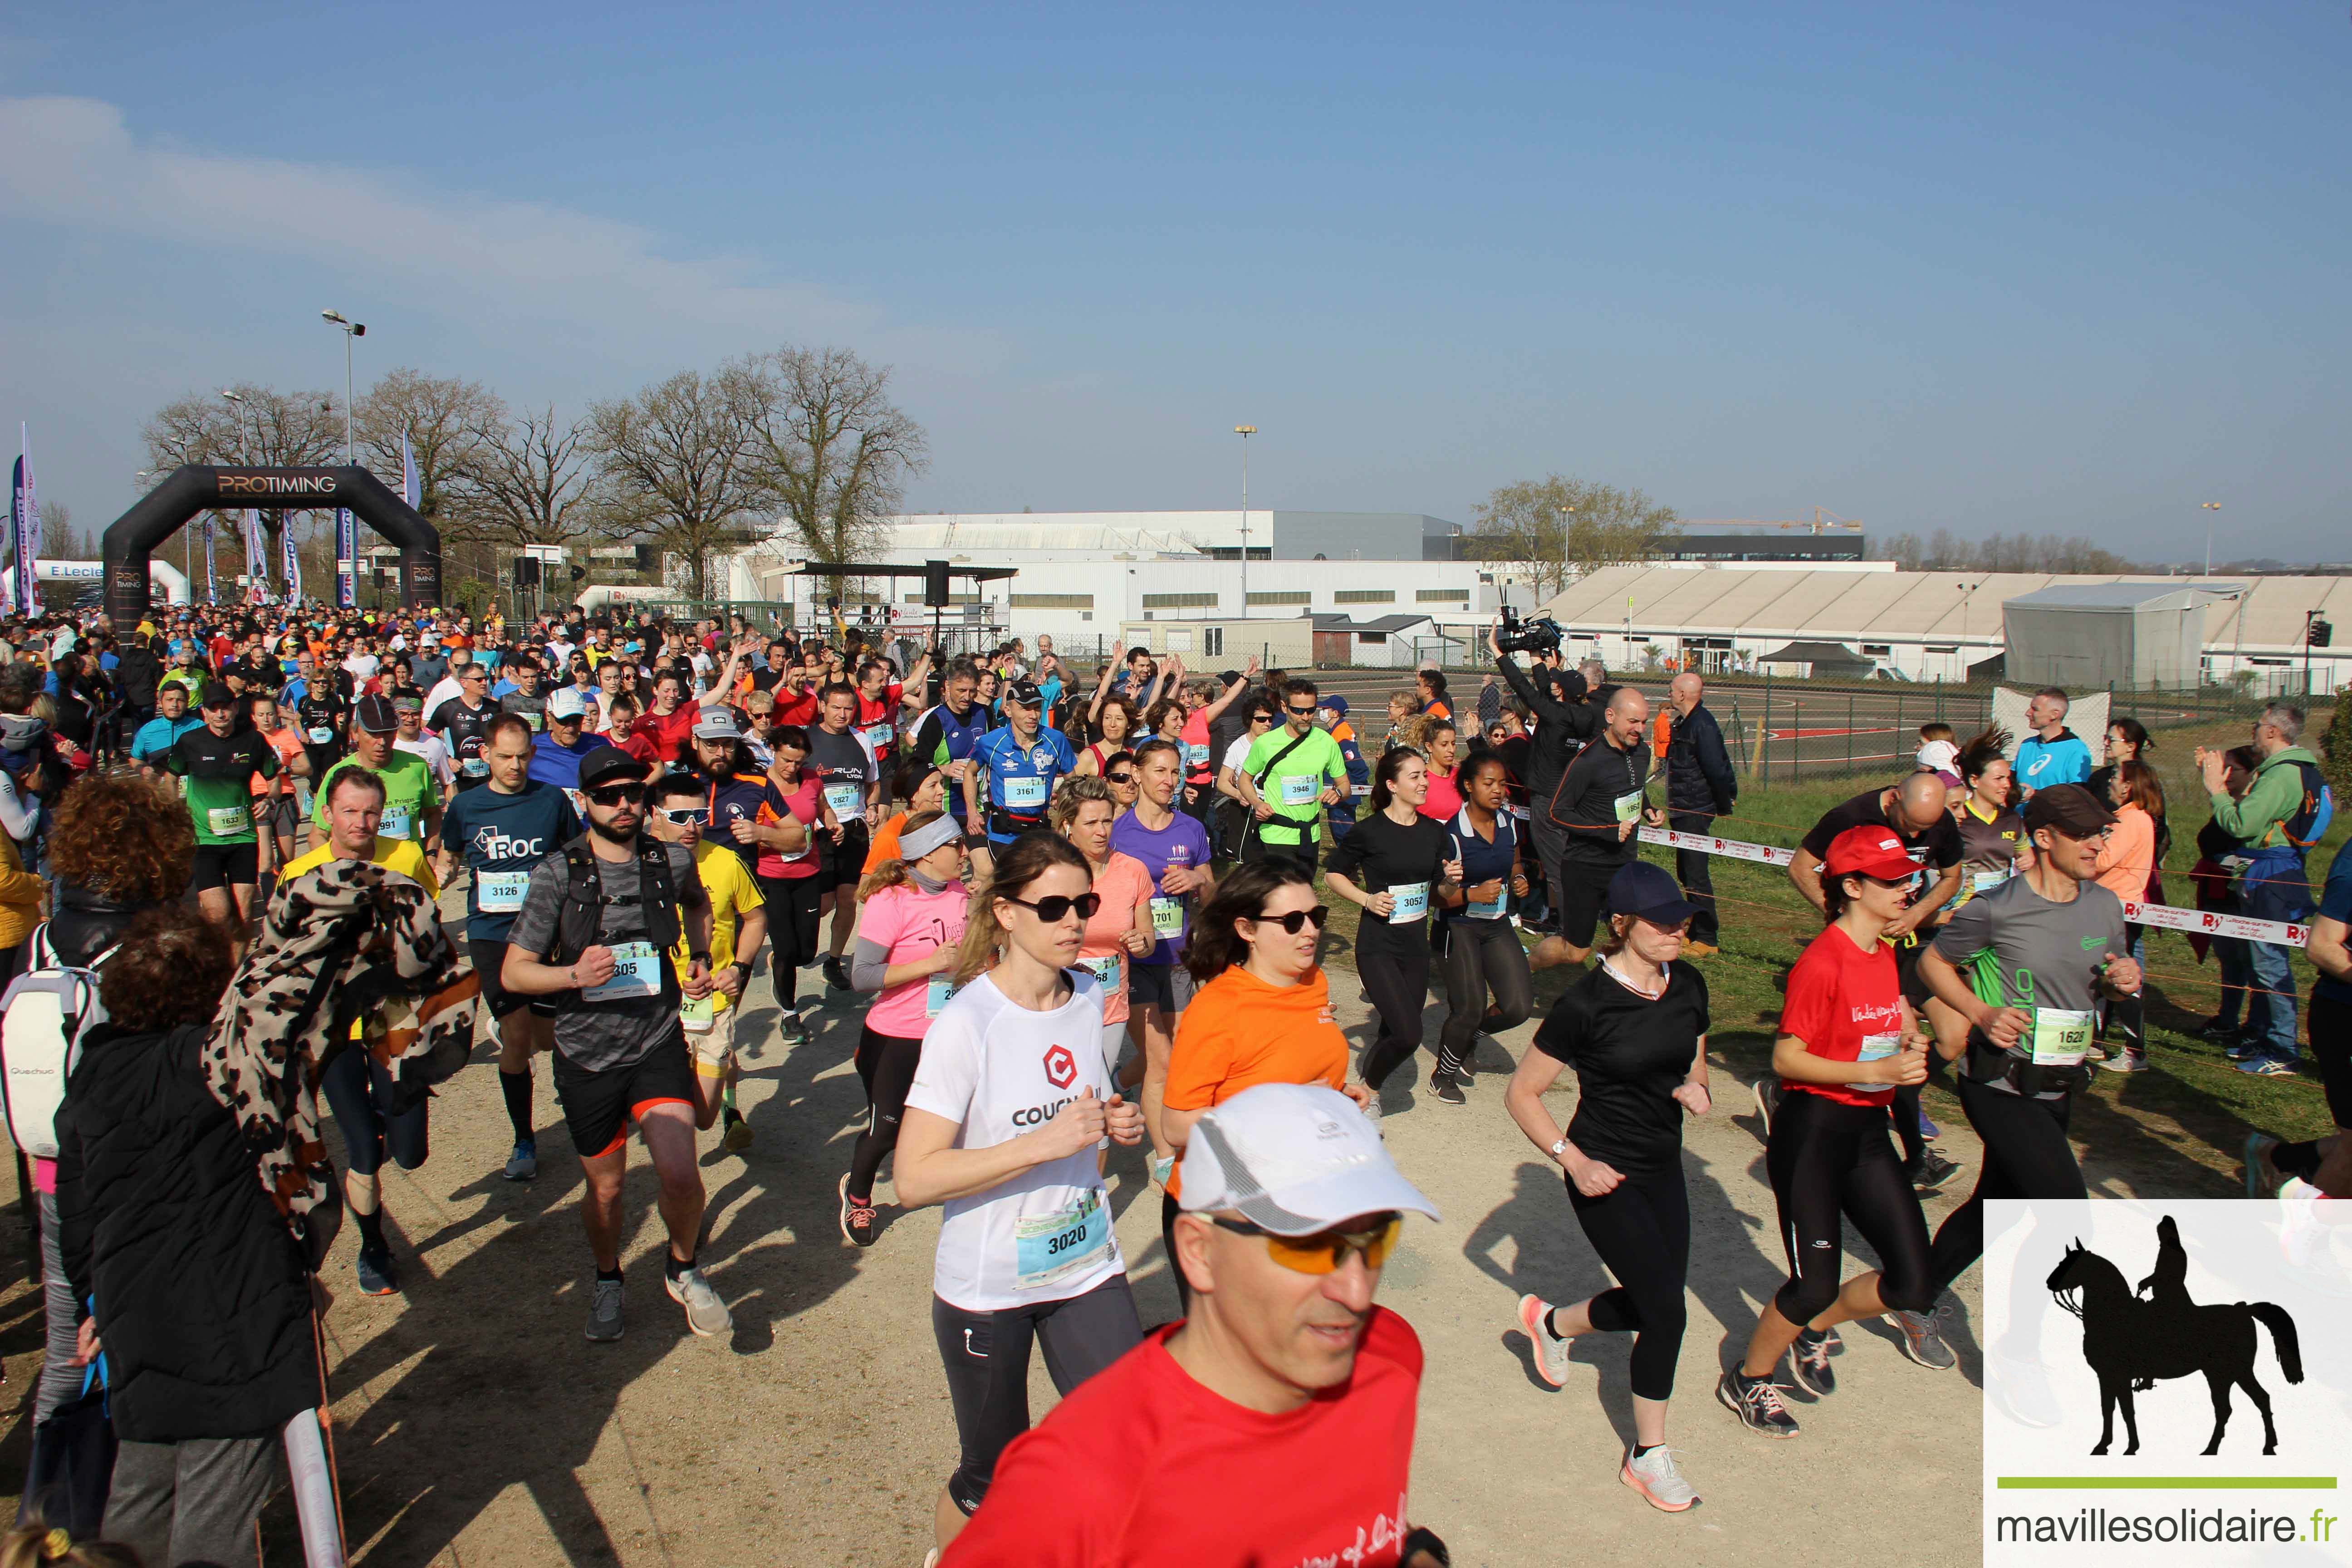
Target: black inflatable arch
193	488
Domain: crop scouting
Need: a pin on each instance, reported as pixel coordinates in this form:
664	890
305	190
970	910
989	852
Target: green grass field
2195	1107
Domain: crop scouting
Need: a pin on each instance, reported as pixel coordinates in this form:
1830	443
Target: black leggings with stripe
1830	1162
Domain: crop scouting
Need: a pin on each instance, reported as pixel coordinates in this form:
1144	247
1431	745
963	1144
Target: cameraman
1563	722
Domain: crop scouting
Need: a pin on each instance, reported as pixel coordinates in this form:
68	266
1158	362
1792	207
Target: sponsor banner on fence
2166	1380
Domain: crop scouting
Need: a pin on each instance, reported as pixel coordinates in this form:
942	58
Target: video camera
1540	634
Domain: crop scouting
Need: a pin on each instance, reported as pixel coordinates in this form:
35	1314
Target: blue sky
2067	268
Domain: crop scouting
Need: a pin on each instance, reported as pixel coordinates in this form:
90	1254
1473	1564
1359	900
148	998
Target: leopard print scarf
347	943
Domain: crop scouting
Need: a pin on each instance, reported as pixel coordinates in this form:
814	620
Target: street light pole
1245	432
2210	506
1565	513
350	329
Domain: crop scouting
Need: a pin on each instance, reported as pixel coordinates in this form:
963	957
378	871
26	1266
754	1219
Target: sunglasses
698	815
618	794
1295	920
1326	1251
1261	718
1053	908
1120	778
1307	712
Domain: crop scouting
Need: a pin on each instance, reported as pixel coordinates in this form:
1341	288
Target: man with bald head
1599	804
1912	811
1700	787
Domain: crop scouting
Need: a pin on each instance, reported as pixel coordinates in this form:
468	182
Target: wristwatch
1557	1150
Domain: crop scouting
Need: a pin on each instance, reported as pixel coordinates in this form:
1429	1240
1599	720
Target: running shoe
1923	1338
835	976
1447	1087
2259	1180
705	1314
1767	1090
522	1165
1757	1401
1654	1475
1551	1351
2267	1066
2219	1031
790	1029
2094	1052
2129	1059
856	1219
738	1136
1811	1365
375	1272
604	1311
1934	1171
2241	1047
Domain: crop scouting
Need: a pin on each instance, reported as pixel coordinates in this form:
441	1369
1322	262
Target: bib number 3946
1050	1247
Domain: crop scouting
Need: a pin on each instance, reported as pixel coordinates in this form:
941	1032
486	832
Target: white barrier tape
2165	916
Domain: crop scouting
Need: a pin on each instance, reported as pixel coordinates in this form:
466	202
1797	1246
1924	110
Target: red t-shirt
666	735
1838	997
790	709
1143	1467
871	711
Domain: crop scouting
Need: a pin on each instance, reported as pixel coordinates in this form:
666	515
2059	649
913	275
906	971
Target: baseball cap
716	723
215	695
1335	704
609	764
2071	809
1293	1159
565	702
1648	892
1868	851
375	716
1025	693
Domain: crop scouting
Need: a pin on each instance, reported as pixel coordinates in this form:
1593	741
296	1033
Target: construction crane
1824	521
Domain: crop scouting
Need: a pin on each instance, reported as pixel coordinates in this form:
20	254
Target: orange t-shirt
886	841
1238	1032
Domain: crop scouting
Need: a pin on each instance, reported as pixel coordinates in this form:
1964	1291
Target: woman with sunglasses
1395	865
1847	1040
1119	772
1261	1009
1114	723
1121	930
1635	1028
910	924
1482	956
1233	809
1006	1125
786	870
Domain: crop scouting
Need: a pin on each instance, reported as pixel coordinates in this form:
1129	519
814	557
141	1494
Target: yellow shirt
733	894
399	855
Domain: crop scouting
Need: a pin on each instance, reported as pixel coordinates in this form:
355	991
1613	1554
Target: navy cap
1648	892
610	764
1336	704
375	716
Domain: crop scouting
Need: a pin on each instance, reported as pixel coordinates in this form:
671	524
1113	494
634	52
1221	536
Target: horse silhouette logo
2133	1339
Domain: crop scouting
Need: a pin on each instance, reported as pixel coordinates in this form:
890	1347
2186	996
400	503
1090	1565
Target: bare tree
443	418
261	427
534	480
831	448
677	459
58	541
1558	527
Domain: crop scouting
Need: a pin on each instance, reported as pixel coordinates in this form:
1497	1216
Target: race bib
394	824
1985	881
1478	911
1411	903
1300	789
1052	1246
847	800
477	767
224	821
637	971
1877	1047
1166	918
936	994
1024	793
698	1015
319	734
880	736
2061	1036
1196	756
1521	812
536	720
1105	969
1629	807
500	892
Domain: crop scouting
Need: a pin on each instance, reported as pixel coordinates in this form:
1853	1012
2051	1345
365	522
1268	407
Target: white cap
1293	1159
565	702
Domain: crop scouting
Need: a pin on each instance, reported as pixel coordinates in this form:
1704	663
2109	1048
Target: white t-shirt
435	752
446	688
361	666
1000	1071
561	651
1238	752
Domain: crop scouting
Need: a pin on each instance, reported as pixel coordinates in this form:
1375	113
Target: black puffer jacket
204	1297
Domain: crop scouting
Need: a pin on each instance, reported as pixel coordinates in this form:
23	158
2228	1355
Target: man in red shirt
1286	1368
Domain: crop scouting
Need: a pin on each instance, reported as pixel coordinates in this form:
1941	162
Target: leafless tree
259	425
443	418
533	481
1558	527
677	459
58	541
830	448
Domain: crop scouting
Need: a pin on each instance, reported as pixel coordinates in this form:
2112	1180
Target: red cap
1870	851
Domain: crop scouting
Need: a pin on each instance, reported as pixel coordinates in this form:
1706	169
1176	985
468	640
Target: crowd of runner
1077	914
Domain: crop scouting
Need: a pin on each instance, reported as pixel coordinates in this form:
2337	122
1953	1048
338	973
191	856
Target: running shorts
490	959
226	866
599	1106
1167	986
842	865
714	1048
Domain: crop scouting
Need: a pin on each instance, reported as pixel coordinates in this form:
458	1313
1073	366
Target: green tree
1558	527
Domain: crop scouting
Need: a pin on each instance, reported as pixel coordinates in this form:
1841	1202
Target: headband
914	845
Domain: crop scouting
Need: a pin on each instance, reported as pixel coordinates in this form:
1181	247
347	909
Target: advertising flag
28	525
293	561
212	592
8	544
256	556
347	559
411	491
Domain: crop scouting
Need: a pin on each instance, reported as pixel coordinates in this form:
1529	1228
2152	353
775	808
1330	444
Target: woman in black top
1391	865
1482	956
1635	1028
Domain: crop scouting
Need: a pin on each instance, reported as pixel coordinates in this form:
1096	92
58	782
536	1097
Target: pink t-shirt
909	925
1124	884
1445	799
803	803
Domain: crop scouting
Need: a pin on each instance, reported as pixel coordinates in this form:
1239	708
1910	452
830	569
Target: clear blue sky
2051	267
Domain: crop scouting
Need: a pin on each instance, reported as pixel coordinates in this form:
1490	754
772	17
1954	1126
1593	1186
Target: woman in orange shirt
1262	1013
2125	866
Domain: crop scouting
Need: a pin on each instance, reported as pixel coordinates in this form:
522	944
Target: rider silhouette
2167	1289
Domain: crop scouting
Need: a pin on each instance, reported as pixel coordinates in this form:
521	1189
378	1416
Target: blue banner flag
212	591
29	524
347	559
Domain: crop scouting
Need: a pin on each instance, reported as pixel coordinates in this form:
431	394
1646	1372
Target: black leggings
986	1356
887	1064
1641	1231
1392	961
2026	1155
1482	956
2331	1048
1827	1159
791	930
